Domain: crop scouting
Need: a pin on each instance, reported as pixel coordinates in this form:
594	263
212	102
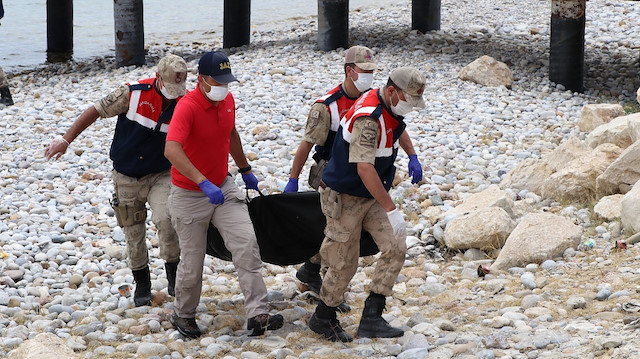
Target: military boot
142	294
309	274
171	269
372	325
5	97
324	321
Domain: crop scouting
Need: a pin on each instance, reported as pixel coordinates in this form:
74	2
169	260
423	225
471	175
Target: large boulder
487	71
493	196
531	173
528	174
538	237
566	152
594	115
630	209
485	229
576	182
609	207
44	345
618	132
621	174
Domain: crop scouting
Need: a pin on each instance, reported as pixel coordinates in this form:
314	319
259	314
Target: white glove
397	222
56	148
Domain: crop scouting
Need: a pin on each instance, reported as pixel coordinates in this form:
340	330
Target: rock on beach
63	273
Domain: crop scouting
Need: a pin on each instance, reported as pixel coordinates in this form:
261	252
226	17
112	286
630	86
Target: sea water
23	30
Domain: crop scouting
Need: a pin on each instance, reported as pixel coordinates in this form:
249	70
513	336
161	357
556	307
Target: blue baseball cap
216	64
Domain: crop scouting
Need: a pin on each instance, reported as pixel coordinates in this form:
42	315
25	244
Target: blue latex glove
415	169
250	181
292	185
212	191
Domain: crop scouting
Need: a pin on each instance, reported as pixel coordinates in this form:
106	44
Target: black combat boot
324	321
142	294
5	97
309	273
262	322
186	326
372	325
171	269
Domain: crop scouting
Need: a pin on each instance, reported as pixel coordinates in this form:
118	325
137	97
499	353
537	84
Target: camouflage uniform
347	216
3	79
134	192
316	131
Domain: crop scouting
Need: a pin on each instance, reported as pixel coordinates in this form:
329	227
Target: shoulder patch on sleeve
369	133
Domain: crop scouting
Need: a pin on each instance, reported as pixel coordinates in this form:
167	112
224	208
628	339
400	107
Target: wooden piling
425	15
59	30
566	52
236	23
333	24
129	32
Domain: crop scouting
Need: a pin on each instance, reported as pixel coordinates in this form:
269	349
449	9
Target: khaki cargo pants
133	193
3	79
346	217
191	214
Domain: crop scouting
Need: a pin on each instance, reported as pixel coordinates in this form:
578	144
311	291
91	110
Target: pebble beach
63	264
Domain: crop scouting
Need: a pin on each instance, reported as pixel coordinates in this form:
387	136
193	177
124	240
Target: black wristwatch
244	169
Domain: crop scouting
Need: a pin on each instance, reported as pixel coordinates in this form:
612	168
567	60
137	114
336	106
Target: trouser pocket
331	203
128	214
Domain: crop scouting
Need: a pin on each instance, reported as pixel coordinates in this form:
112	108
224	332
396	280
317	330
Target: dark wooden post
129	31
566	54
59	30
333	24
425	15
237	23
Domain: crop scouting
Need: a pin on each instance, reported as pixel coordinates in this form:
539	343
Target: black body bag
289	228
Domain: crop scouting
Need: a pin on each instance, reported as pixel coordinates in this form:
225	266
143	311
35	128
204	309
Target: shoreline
57	226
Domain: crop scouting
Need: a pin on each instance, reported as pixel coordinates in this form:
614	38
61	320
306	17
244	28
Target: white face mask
364	81
402	107
165	93
217	93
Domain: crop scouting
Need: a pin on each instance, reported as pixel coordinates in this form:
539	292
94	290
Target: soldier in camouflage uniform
141	173
322	123
5	94
354	196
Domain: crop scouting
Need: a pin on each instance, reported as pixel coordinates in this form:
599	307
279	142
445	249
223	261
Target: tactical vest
137	149
341	175
338	104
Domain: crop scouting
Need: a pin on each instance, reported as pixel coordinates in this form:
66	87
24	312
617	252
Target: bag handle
246	197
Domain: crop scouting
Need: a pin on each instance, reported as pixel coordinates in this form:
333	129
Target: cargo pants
191	214
346	217
3	79
133	194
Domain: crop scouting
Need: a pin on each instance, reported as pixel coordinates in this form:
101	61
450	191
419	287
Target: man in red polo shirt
200	139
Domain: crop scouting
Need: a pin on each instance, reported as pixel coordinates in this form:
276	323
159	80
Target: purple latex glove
292	185
250	181
415	169
212	191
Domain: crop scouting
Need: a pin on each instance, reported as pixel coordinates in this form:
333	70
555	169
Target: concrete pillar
425	15
566	52
333	24
59	30
236	23
129	31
